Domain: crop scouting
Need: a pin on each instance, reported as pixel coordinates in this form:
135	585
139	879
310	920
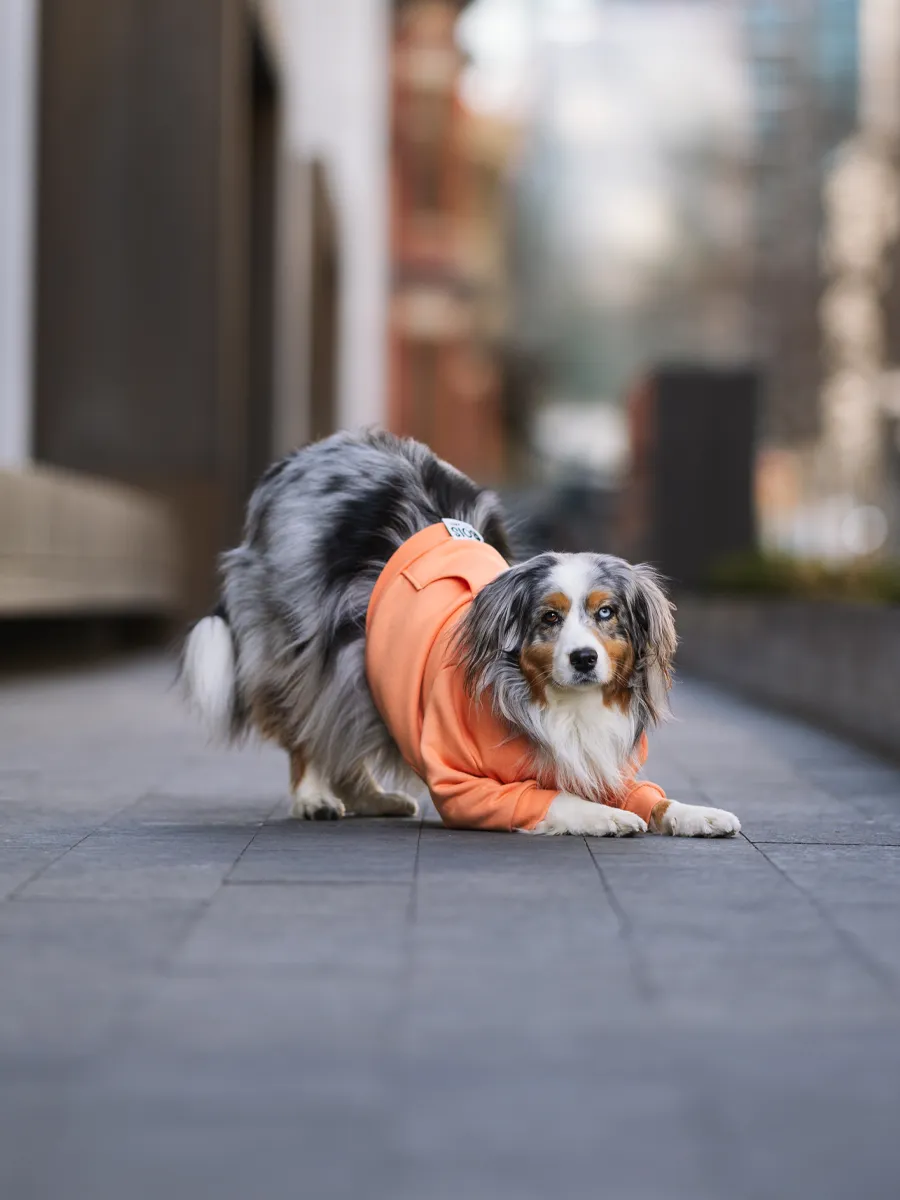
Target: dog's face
575	623
577	633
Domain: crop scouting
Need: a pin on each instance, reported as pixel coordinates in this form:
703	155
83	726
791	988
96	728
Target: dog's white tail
208	675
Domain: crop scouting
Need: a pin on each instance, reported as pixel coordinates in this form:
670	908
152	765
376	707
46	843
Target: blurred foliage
760	574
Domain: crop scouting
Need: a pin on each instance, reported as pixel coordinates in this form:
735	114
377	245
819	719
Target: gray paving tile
462	862
136	865
806	1113
724	936
298	927
843	875
20	862
253	1126
763	978
354	850
67	970
189	812
328	1013
859	889
575	1133
642	1116
826	829
857	778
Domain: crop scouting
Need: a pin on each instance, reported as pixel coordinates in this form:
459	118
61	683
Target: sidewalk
201	998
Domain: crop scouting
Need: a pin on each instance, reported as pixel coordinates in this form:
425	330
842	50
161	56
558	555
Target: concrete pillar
879	74
18	58
337	62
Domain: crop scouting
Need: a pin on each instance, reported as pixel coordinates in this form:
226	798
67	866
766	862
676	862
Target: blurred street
199	997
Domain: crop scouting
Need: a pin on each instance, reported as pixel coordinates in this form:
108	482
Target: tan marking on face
536	662
620	652
596	600
659	810
558	600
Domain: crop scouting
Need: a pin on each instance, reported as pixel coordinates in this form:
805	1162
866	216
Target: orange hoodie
477	772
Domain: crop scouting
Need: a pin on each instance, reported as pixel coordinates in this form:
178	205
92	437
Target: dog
374	624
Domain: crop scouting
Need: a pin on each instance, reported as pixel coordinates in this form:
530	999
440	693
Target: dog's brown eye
551	618
604	613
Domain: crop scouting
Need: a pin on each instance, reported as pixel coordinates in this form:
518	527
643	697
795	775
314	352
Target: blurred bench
72	544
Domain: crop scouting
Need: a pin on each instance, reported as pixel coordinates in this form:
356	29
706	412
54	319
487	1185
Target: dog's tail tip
208	675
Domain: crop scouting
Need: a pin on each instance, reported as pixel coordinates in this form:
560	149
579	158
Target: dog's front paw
613	822
693	820
571	814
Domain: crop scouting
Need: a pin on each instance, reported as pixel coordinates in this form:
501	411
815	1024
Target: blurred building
827	294
803	65
820	274
192	278
449	282
688	503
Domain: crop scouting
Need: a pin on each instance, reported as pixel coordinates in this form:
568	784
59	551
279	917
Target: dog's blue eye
604	613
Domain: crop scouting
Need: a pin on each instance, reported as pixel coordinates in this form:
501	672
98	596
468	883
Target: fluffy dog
372	625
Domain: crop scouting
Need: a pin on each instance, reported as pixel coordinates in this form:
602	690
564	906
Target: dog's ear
497	623
655	639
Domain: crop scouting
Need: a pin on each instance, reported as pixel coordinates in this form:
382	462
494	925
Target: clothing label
462	530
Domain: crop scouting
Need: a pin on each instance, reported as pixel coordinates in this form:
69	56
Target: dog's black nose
583	660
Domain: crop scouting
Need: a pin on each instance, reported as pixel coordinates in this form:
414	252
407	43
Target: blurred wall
18	34
154	255
334	59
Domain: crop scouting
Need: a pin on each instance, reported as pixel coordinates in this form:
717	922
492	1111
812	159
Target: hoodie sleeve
465	751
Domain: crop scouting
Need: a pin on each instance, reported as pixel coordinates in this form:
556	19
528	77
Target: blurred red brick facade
447	310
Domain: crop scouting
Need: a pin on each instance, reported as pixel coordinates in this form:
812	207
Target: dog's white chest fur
592	741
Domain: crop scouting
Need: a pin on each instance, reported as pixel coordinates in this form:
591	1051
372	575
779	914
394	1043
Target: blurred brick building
449	301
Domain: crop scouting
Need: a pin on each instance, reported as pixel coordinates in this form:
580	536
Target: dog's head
569	623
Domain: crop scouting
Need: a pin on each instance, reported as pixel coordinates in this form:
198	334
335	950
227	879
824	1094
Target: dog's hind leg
312	798
362	795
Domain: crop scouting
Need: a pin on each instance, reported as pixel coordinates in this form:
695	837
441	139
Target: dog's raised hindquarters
374	624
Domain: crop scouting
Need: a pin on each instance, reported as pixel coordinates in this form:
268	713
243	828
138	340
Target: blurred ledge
75	545
836	664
